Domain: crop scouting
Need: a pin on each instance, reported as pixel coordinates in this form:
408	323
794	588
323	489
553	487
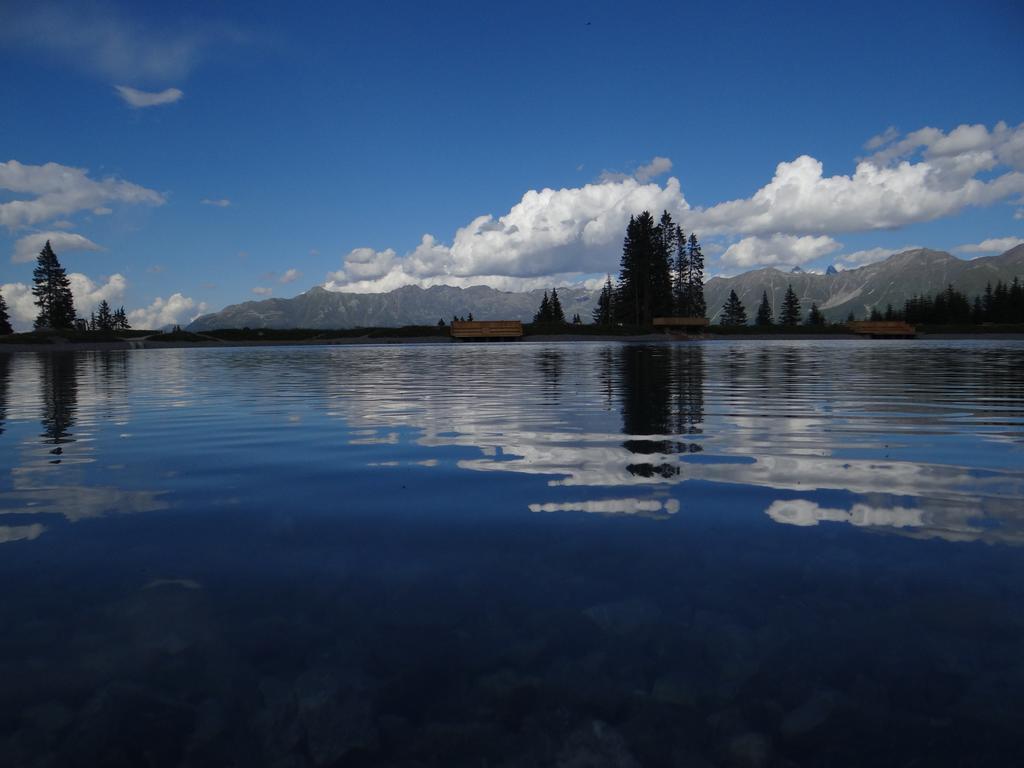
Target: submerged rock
624	616
596	746
749	750
813	712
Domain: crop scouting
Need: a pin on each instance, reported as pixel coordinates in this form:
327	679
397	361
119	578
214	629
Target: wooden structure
486	329
883	329
681	324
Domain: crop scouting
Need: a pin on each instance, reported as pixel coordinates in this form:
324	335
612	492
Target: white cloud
88	293
139	99
95	38
778	249
885	191
221	203
882	139
572	234
60	190
657	167
28	247
174	310
548	234
289	276
992	245
20	304
259	290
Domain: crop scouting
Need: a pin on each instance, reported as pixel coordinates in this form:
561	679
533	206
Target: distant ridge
892	281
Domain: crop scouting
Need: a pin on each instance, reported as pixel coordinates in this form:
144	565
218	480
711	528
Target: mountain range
919	272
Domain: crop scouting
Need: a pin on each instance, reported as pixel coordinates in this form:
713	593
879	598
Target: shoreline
148	344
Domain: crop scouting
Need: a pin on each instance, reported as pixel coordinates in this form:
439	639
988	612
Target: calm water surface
698	554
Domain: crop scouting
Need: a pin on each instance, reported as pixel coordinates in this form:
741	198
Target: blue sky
258	151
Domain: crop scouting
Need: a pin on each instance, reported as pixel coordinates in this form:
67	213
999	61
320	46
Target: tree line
52	291
734	313
1003	304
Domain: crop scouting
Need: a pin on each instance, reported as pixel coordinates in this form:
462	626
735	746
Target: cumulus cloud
887	189
97	39
89	293
657	167
259	290
992	245
59	190
20	304
221	203
548	234
139	99
778	249
289	276
174	310
28	247
568	235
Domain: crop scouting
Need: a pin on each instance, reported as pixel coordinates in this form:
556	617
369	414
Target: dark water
706	554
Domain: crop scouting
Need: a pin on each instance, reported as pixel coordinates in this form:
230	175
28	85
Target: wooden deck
681	324
883	329
486	329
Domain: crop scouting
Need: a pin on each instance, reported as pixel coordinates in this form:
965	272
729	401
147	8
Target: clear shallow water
721	553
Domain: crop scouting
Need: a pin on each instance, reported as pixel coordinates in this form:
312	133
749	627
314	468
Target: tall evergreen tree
555	308
544	312
121	320
603	312
733	312
695	305
104	317
5	319
815	317
790	308
633	299
52	290
661	267
680	272
764	311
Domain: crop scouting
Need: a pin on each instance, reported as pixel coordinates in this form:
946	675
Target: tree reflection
662	401
60	394
5	374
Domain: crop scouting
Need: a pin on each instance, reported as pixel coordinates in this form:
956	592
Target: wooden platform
681	324
883	329
486	329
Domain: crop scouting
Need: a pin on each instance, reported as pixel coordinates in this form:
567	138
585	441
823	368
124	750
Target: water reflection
662	404
59	386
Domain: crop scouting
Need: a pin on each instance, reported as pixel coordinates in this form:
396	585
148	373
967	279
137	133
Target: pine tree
52	290
660	279
576	319
790	308
681	273
104	317
544	313
121	320
815	317
733	312
5	319
557	315
633	299
764	312
695	288
604	311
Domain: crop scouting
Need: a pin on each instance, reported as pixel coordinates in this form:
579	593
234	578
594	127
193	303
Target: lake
721	553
